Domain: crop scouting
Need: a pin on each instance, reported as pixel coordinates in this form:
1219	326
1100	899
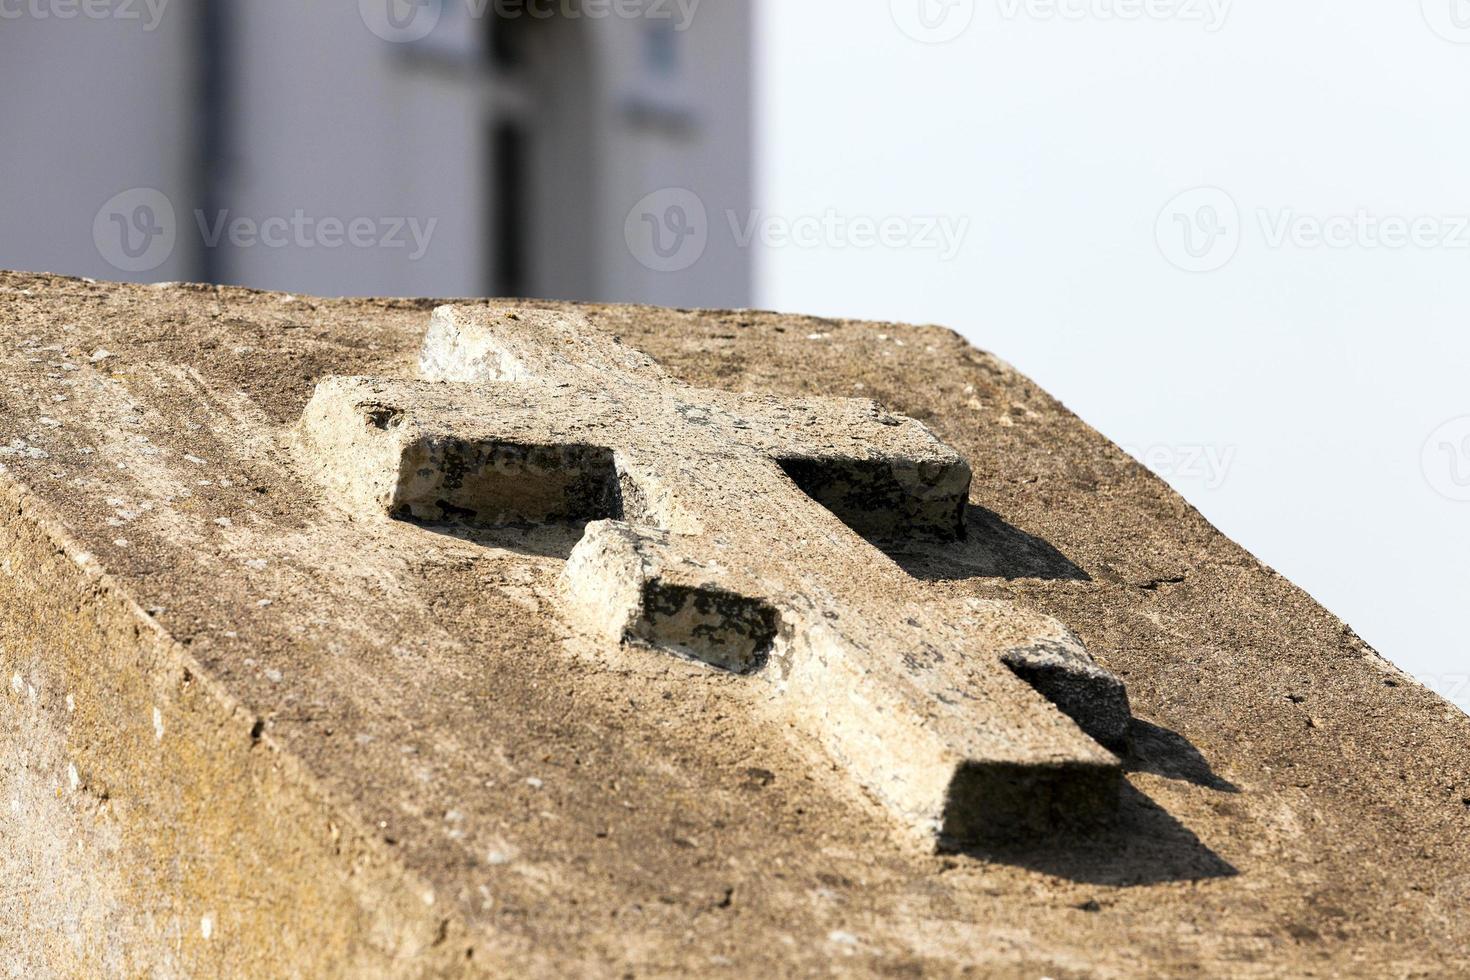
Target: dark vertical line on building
503	44
508	244
211	129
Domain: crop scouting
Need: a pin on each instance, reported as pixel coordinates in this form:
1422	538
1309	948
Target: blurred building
561	148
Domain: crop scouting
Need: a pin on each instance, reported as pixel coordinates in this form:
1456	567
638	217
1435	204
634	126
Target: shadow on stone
1066	676
1160	752
1142	845
992	548
536	540
996	801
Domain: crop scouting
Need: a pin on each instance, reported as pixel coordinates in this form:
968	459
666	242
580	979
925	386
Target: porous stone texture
539	416
250	731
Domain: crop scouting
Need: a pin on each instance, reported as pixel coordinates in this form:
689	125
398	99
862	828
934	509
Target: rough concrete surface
251	730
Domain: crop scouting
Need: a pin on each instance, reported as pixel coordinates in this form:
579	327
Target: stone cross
733	529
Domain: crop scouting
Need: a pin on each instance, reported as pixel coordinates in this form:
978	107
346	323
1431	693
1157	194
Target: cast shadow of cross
991	548
968	719
1143	844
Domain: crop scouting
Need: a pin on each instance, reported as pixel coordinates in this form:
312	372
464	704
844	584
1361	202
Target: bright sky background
1313	376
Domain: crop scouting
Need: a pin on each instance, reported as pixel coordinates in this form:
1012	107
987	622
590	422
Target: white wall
331	118
340	121
714	162
328	119
90	108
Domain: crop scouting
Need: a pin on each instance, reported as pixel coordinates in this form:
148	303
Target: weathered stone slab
254	726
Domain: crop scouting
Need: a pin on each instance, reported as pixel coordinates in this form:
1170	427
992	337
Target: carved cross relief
733	529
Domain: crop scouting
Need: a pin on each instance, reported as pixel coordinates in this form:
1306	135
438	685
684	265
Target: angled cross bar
728	529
